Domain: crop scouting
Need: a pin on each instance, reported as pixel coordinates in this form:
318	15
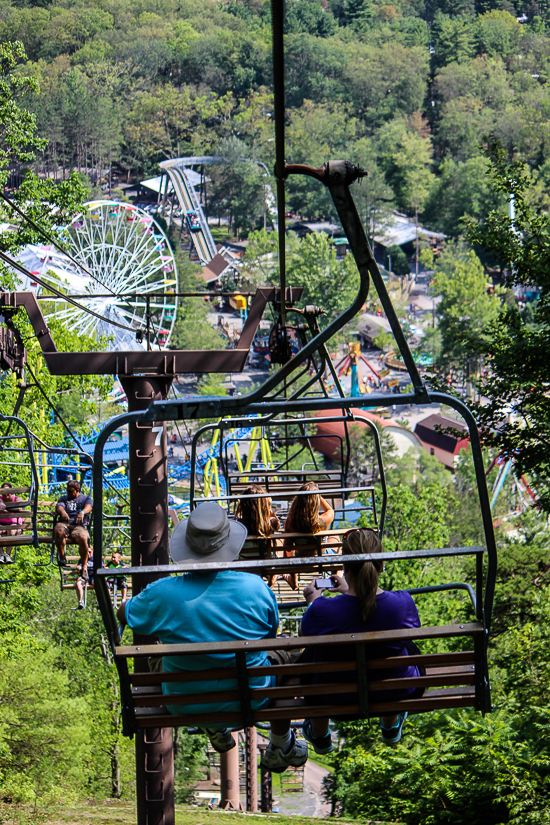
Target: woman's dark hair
255	513
364	573
304	510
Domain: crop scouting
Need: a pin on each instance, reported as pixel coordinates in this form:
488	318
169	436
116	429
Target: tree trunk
116	792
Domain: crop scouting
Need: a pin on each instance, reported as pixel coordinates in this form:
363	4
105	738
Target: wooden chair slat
464	657
464	676
273	693
293	669
290	670
292	643
432	700
18	541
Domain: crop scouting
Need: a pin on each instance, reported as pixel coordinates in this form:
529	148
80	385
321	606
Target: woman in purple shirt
362	606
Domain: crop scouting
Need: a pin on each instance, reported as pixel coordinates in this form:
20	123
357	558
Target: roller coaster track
188	200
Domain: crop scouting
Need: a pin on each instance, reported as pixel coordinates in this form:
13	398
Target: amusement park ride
284	404
351	363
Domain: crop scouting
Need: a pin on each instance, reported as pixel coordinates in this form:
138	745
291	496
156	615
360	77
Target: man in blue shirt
207	607
73	511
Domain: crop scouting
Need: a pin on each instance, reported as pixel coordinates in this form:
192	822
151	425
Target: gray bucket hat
207	535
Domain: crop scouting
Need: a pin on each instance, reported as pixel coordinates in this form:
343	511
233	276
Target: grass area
324	761
219	233
107	812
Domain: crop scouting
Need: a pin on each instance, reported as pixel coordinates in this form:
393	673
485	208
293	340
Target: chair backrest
360	685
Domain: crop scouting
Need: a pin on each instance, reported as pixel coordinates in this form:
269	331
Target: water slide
188	201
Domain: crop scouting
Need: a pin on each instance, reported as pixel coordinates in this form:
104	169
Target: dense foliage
407	88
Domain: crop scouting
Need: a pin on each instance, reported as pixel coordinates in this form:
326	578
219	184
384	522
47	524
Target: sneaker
80	605
2	558
7	559
276	761
321	744
391	736
62	561
221	740
84	574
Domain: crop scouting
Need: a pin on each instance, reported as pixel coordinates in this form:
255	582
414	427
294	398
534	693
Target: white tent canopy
401	230
157	184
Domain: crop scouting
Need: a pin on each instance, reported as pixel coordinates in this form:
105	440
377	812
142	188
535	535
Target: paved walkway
308	803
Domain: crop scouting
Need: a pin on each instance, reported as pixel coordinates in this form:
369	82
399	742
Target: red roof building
443	445
330	435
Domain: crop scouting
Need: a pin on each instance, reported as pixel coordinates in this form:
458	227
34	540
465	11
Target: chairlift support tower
146	378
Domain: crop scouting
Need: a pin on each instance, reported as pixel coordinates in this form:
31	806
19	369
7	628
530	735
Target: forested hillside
408	89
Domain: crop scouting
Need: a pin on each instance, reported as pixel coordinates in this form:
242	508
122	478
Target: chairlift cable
25	271
68	429
58	246
176	423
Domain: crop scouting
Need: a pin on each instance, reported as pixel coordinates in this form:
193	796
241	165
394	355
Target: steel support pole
229	779
149	533
251	751
267	787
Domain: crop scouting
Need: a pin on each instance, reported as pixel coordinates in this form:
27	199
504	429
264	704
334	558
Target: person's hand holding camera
339	584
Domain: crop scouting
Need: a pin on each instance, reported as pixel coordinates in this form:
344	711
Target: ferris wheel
120	266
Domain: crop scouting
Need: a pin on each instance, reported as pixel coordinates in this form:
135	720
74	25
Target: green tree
260	263
45	202
190	756
237	189
385	82
396	261
166	122
193	326
41	732
515	346
373	197
451	767
454	39
357	13
407	161
476	97
329	283
498	34
466	308
462	190
309	17
316	134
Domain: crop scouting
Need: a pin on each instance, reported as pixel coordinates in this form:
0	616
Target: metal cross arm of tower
130	363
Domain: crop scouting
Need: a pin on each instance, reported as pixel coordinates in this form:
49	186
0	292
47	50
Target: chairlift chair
17	459
452	680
